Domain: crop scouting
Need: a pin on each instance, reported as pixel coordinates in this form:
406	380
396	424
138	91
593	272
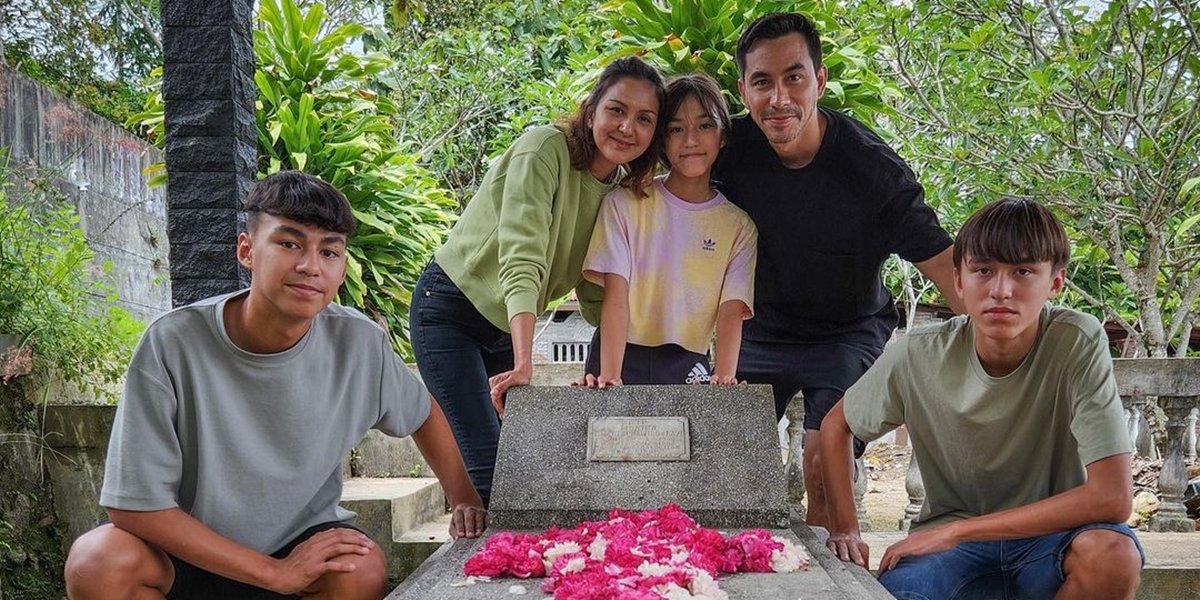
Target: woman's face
623	124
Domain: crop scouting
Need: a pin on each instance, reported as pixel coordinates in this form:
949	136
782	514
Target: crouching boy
1016	426
224	466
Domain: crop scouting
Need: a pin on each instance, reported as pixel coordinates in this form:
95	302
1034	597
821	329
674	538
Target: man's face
781	89
297	268
1005	300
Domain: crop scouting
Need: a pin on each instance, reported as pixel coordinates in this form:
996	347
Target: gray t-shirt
252	444
983	443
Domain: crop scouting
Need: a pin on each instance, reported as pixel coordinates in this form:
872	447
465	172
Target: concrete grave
570	454
712	450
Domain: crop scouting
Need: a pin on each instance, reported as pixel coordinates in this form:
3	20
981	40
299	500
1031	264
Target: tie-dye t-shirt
682	261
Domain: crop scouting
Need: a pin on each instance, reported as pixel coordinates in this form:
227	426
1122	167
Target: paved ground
886	499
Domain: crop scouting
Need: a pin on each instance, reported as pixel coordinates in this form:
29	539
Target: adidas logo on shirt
708	245
699	374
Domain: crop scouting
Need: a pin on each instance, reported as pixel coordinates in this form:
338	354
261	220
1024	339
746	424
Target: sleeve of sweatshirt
526	209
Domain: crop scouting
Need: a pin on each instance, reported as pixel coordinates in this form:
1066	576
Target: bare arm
845	540
614	329
940	270
436	443
181	535
521	328
1104	498
729	340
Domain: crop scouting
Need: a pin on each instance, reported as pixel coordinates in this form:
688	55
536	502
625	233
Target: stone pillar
211	149
860	493
1189	437
1172	515
915	488
795	457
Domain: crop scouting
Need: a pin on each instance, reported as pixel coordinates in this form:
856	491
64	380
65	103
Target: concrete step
406	516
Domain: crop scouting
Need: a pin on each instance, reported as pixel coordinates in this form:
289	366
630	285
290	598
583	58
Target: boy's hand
468	520
925	541
500	383
849	547
719	379
317	556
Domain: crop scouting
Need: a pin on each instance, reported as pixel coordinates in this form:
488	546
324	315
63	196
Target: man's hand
720	379
468	520
849	547
317	556
918	543
500	383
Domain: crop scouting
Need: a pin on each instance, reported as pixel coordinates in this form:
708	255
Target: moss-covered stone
31	555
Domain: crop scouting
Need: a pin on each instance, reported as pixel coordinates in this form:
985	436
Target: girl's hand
718	379
598	383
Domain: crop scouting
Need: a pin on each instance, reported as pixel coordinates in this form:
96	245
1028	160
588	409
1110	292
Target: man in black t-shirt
831	201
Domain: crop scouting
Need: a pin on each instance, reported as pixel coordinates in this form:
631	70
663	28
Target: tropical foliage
53	297
701	35
318	112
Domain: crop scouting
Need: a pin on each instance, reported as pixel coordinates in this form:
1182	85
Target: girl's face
693	139
623	124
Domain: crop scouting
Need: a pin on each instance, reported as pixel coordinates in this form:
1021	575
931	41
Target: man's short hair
302	198
1013	231
777	25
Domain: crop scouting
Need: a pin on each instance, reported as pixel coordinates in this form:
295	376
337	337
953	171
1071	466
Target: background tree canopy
1087	106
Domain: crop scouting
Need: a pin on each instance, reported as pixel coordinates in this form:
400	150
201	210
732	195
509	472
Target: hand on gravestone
325	552
601	382
849	547
499	385
468	520
720	379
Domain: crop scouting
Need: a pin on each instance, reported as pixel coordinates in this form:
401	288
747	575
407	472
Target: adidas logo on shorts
699	374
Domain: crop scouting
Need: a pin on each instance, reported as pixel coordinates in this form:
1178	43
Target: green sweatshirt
521	241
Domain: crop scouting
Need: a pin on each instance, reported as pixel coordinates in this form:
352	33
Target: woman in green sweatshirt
519	244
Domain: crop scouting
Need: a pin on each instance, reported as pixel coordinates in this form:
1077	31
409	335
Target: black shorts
822	372
653	365
194	583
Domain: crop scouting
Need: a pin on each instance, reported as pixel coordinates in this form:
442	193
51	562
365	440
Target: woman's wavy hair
640	171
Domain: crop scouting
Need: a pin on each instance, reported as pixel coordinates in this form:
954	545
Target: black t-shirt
824	231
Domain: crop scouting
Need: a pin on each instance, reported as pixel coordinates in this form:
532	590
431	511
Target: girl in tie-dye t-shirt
674	265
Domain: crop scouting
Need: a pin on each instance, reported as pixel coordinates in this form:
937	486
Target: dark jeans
822	372
457	349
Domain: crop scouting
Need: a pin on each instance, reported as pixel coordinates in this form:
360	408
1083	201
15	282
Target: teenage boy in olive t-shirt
1016	426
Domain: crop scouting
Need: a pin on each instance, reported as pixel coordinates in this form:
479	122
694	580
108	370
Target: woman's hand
499	384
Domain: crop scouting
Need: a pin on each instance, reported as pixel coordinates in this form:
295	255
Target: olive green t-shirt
986	444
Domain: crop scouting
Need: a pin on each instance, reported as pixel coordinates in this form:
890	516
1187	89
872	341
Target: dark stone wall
209	93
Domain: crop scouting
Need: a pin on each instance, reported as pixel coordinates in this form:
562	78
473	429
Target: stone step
406	516
389	507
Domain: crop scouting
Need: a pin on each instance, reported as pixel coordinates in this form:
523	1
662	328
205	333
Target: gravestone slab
568	455
713	450
441	578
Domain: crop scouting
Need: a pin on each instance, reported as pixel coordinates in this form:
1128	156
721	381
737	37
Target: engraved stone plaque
634	439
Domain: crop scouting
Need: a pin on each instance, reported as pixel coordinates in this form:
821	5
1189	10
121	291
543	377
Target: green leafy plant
318	112
51	297
701	35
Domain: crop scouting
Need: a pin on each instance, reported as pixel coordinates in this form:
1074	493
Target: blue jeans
457	349
1025	569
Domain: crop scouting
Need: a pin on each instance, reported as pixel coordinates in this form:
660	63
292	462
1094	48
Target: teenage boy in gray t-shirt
1016	426
224	466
